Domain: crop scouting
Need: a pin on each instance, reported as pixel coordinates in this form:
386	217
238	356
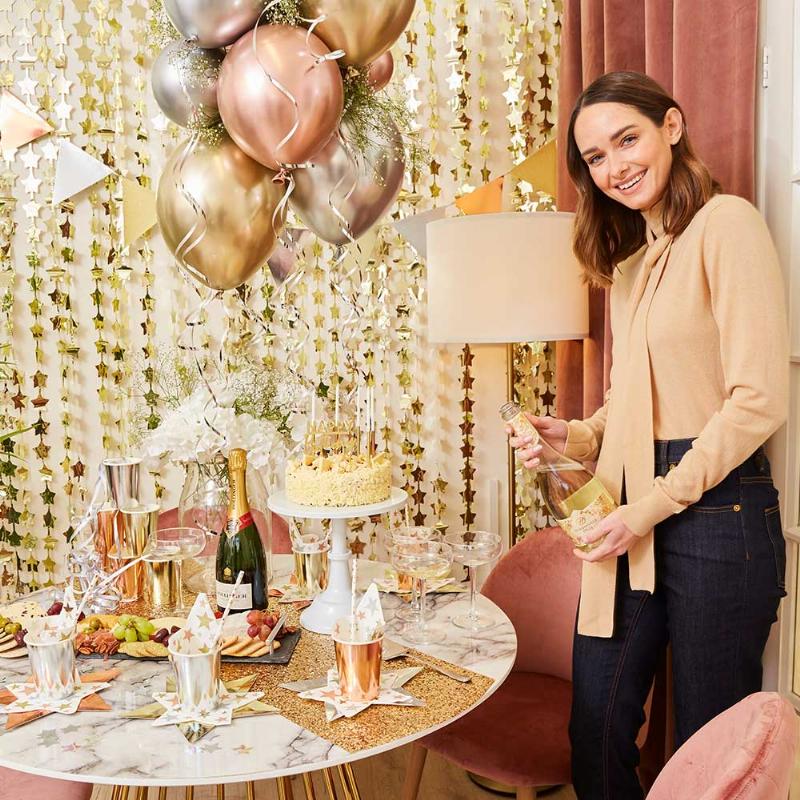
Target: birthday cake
339	479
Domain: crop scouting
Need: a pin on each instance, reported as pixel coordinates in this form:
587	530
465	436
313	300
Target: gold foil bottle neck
237	459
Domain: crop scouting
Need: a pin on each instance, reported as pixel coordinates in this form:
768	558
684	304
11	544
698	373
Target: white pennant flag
76	170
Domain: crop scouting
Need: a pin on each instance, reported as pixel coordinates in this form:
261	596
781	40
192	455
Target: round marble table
102	747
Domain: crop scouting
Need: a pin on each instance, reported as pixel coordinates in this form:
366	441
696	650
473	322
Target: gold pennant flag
138	210
19	124
486	199
539	169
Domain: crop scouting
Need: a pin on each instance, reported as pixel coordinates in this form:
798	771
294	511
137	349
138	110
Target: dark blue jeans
719	578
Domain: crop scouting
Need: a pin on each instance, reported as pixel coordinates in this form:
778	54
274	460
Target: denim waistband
671	451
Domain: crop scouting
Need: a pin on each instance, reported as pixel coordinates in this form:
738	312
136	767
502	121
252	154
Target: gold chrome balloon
364	29
236	194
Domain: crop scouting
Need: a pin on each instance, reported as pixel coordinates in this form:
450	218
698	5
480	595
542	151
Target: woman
694	555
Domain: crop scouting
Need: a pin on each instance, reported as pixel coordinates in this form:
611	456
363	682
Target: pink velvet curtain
705	54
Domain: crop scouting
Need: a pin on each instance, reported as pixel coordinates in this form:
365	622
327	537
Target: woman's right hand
553	431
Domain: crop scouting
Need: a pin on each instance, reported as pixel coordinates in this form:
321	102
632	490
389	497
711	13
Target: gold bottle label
582	520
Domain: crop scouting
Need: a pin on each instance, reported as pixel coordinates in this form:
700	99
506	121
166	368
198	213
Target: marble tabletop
102	747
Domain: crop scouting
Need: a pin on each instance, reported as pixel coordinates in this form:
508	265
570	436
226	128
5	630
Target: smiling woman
631	135
693	555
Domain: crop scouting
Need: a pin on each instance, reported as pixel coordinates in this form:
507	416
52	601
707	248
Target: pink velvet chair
18	785
744	753
537	584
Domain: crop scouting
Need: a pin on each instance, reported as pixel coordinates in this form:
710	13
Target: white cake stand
334	601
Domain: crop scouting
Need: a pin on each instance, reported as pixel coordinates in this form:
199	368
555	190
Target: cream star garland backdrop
80	312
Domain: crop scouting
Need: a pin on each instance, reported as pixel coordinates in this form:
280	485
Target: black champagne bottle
240	547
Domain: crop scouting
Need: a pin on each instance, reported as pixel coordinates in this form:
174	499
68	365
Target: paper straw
358	409
354	570
408	521
336	409
85	597
230	599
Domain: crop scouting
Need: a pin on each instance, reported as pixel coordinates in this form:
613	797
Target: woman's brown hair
606	232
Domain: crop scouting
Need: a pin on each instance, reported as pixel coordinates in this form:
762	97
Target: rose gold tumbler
359	667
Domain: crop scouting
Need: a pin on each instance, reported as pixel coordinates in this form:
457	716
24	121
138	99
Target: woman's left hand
619	539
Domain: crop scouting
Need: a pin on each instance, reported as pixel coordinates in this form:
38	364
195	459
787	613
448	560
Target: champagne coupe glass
472	549
426	561
409	534
165	554
206	509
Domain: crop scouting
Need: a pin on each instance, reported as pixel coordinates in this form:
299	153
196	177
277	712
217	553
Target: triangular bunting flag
413	228
18	123
138	210
486	199
76	170
539	169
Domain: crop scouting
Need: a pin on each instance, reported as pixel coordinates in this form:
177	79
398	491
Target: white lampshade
505	278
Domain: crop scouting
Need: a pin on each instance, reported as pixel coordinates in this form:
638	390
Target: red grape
263	633
252	631
255	617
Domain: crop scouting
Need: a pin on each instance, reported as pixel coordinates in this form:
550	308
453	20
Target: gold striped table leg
343	781
327	777
123	792
284	788
220	791
115	790
251	790
142	792
190	793
351	780
308	785
162	793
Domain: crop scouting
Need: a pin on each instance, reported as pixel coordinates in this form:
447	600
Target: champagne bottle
240	547
573	496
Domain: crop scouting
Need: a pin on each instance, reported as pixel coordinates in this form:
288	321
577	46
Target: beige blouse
700	350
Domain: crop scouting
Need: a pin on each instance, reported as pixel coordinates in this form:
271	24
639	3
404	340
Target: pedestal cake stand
334	601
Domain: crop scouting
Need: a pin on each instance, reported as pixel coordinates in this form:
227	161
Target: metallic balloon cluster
279	92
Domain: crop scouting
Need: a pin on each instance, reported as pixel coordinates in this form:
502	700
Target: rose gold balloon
364	29
238	197
259	116
380	71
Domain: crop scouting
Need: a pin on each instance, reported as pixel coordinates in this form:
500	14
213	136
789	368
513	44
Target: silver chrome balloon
343	192
184	80
213	23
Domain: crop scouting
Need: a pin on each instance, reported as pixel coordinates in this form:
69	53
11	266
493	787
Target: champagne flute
472	549
426	561
408	534
165	554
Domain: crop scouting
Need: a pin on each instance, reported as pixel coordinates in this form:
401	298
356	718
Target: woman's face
629	157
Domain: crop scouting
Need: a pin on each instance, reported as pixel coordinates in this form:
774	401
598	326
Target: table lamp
502	279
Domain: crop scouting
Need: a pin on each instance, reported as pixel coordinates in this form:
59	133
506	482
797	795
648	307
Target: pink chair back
17	785
746	753
537	584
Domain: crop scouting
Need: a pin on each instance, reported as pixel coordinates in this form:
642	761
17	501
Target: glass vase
204	504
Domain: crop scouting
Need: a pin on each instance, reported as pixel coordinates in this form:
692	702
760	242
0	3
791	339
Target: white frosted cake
339	479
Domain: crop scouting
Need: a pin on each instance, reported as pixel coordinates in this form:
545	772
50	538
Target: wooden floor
379	778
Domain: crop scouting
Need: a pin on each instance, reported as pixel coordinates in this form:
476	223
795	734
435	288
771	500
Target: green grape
131	635
119	632
144	628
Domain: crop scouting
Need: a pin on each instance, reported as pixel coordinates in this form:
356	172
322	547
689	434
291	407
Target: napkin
367	624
